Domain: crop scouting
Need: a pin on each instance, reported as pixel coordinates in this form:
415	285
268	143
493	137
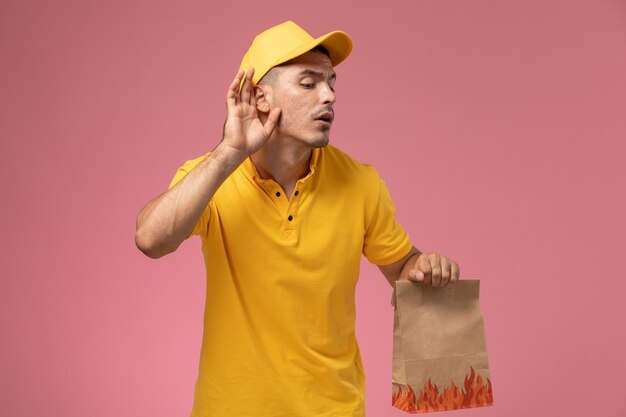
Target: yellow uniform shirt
279	325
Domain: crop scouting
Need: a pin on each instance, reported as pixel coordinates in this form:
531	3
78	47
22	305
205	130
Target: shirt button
297	192
290	218
277	193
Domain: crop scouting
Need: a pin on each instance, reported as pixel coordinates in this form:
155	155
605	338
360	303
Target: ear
260	96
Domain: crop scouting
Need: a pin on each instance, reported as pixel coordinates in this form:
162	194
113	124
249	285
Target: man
284	218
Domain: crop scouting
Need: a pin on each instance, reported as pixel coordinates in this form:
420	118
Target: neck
283	162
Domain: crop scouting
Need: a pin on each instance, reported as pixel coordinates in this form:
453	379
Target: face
303	89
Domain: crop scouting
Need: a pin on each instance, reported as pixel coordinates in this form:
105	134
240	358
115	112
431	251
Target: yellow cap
286	41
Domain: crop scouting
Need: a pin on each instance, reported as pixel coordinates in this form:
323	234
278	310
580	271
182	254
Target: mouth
326	118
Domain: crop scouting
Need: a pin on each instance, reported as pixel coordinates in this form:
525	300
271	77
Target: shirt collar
251	171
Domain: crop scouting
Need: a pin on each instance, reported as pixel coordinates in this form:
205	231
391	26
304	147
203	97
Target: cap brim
337	43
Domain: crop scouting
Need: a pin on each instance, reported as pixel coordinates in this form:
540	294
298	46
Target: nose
327	94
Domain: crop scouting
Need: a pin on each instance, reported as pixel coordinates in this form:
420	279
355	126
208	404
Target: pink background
499	127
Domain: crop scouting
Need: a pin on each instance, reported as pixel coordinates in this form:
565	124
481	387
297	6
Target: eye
308	85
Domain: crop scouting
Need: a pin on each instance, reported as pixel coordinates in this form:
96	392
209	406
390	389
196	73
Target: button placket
293	207
291	210
274	192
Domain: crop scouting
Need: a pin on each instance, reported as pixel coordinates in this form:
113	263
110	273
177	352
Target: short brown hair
270	76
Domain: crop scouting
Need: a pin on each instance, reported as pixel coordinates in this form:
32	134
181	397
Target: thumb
272	120
415	274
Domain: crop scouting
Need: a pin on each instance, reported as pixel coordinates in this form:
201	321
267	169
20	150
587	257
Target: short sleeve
385	241
200	228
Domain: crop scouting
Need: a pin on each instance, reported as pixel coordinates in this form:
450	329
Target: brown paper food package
439	349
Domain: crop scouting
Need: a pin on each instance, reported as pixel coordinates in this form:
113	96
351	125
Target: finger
272	120
435	268
455	274
253	100
424	266
247	86
233	90
445	271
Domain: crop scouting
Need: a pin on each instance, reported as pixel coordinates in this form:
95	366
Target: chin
318	142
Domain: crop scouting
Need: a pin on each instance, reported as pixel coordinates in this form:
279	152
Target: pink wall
499	127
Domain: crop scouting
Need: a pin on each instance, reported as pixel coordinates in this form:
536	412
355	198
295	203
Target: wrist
229	155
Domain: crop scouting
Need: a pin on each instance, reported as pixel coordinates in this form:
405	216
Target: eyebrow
317	73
